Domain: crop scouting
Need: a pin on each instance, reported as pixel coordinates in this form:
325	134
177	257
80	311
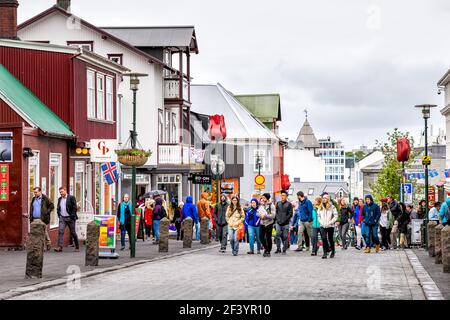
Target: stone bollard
204	231
445	240
164	235
92	235
438	244
35	250
187	237
431	236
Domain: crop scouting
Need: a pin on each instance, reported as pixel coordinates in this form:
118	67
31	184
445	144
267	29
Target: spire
306	137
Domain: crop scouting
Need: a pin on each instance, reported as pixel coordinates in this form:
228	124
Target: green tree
389	179
358	155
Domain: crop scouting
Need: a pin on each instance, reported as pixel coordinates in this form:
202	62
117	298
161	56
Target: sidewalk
13	263
441	279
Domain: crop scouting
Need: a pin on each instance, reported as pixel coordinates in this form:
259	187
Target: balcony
172	89
173	154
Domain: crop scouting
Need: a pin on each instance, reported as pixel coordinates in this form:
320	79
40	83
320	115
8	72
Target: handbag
240	233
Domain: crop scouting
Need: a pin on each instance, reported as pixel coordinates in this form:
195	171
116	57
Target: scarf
122	211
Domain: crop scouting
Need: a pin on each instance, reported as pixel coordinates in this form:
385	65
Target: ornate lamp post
134	86
426	112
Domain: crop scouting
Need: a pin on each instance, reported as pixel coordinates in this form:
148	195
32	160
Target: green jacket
315	222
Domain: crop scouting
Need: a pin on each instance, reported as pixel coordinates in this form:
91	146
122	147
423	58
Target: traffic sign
259	179
260	186
407	192
426	160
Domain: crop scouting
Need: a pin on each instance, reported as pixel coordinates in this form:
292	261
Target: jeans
178	226
327	239
156	224
265	236
315	239
302	226
197	231
234	243
343	229
385	237
253	232
222	236
282	236
293	236
126	229
371	236
63	223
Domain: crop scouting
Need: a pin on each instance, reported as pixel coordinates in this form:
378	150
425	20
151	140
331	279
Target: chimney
8	19
65	4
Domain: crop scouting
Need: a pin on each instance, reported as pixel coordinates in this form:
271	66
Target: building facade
334	155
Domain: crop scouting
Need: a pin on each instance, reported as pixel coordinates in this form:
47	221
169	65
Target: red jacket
148	216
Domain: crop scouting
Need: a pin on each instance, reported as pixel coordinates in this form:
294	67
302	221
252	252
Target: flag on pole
110	172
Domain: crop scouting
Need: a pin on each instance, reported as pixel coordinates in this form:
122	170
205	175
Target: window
173	132
116	57
85	45
55	181
310	191
91	93
100	97
109	99
160	126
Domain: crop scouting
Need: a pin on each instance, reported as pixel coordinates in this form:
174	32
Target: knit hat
266	195
355	199
256	200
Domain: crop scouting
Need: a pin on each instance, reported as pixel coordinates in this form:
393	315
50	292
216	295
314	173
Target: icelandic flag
110	172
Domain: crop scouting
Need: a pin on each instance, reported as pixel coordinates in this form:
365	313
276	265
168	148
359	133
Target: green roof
265	107
29	107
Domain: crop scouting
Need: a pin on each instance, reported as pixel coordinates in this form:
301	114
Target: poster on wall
416	225
107	238
6	146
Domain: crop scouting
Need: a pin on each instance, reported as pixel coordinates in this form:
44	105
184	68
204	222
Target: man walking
304	212
204	211
371	215
67	214
284	212
40	209
220	216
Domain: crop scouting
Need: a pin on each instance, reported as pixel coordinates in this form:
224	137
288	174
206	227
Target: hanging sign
103	150
4	182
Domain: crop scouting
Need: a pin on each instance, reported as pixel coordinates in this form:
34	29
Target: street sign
259	180
426	160
221	166
431	197
200	179
407	192
260	186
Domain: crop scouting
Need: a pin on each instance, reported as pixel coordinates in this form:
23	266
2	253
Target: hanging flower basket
133	157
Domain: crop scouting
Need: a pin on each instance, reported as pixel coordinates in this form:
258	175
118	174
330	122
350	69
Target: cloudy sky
358	66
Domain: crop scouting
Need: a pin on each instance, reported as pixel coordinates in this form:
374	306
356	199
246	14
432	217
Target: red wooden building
53	101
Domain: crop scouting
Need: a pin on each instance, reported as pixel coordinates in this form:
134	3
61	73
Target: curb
61	281
429	287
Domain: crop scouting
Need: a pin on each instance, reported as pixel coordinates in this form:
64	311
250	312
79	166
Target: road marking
428	285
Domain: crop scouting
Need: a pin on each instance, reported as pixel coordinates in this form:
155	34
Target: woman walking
315	226
235	217
252	223
124	216
344	217
403	220
177	219
148	211
158	214
386	224
327	218
266	214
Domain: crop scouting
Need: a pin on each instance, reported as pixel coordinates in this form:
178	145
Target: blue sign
407	194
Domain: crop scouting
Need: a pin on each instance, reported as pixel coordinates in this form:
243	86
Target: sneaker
357	247
299	249
332	254
284	250
324	256
367	250
278	251
377	248
122	248
250	252
235	254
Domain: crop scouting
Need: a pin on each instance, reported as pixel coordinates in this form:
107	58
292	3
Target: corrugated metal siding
7	115
46	74
84	128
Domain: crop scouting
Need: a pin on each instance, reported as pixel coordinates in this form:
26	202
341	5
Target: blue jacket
371	213
315	223
444	209
250	216
305	210
356	213
295	219
190	210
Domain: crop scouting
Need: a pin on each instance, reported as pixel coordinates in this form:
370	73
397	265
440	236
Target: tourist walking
189	211
444	213
67	214
304	212
357	217
343	221
176	220
315	226
266	214
220	216
148	211
386	224
235	217
41	208
204	211
284	213
396	211
433	214
327	215
252	223
124	211
403	220
371	218
159	213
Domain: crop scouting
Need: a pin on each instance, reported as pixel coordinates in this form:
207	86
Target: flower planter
132	160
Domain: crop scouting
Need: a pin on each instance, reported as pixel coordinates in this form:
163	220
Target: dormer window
85	45
116	57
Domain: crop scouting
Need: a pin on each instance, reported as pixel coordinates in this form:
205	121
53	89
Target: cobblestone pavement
212	275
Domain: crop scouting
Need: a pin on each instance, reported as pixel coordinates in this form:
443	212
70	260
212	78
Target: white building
364	173
334	155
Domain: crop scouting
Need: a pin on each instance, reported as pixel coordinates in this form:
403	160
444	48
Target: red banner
4	182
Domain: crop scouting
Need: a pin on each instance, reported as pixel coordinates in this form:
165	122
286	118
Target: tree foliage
389	179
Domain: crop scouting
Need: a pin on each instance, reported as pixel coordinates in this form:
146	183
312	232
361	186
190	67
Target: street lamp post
134	86
426	112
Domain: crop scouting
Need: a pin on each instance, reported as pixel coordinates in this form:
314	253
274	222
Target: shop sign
4	182
227	187
6	146
103	150
201	179
140	178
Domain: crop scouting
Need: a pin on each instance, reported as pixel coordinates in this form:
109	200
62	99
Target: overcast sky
359	66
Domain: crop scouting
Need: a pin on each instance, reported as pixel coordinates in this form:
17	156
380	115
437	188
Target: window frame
112	56
91	115
58	184
81	43
109	112
100	76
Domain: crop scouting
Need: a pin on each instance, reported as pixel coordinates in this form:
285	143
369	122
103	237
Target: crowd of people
306	224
